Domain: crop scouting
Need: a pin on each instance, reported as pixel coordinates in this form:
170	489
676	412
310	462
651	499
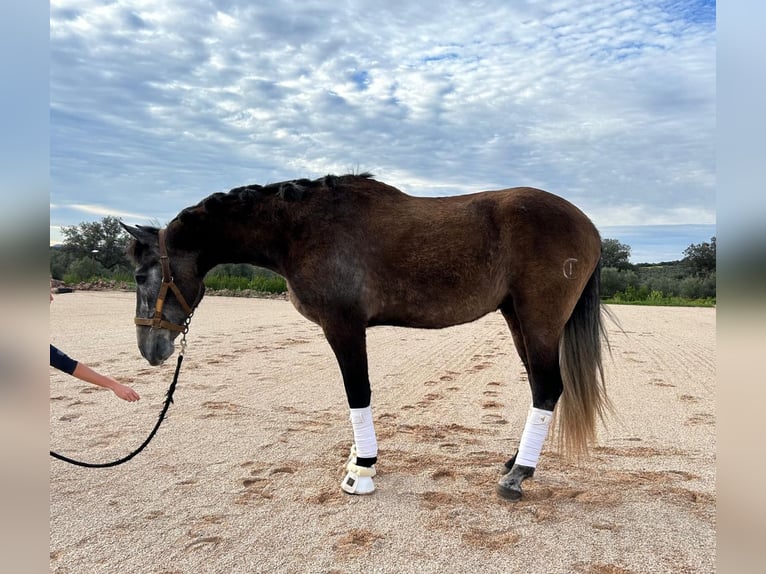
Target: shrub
84	269
698	287
261	284
614	281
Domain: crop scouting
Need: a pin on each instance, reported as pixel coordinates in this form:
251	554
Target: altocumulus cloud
154	105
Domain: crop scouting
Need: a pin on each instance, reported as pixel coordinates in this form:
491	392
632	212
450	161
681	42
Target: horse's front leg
348	342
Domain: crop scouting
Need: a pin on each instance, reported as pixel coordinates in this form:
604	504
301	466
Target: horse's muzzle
156	346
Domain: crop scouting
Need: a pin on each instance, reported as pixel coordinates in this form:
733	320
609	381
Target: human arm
63	362
85	373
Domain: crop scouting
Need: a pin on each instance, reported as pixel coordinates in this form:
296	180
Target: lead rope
168	400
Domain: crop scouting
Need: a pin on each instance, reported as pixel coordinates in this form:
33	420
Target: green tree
60	260
85	269
614	281
103	241
700	258
615	254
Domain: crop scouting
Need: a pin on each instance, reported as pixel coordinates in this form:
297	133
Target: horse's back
490	228
454	259
434	262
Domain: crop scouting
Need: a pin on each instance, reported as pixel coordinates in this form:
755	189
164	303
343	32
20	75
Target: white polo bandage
533	437
364	433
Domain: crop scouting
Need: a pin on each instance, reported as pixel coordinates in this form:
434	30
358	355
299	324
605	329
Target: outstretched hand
125	392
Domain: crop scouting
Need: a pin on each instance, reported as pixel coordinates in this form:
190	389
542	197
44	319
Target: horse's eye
140	278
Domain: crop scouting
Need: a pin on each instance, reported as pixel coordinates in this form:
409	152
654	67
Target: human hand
125	392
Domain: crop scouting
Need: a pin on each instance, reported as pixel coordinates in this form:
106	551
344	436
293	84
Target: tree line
96	250
692	278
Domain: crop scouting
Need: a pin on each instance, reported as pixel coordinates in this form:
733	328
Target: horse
356	253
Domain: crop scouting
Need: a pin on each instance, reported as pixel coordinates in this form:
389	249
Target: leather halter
157	322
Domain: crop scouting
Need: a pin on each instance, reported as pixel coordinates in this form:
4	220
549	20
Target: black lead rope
168	400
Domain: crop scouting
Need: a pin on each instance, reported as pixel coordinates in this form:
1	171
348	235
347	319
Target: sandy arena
244	475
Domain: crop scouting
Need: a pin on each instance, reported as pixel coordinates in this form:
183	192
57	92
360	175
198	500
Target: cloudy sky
611	104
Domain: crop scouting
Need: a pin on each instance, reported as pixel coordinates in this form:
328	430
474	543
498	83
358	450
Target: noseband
157	322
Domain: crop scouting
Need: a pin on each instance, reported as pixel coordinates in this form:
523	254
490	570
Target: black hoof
512	493
509	487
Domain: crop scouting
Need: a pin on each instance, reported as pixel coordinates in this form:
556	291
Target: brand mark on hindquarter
569	267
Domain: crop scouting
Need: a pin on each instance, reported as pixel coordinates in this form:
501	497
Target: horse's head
167	291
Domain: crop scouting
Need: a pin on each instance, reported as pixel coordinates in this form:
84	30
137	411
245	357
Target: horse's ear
290	191
145	235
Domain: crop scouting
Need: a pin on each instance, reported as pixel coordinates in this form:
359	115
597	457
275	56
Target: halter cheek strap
157	322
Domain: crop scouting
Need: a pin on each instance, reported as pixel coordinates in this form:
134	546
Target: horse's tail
584	395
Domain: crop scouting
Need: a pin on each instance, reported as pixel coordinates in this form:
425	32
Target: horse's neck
237	243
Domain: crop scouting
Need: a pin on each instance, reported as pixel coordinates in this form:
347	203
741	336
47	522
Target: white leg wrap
533	437
364	433
358	479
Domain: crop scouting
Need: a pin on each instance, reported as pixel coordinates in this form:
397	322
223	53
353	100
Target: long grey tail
584	397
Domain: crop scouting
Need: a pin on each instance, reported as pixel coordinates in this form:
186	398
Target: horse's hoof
358	479
509	487
355	484
510	492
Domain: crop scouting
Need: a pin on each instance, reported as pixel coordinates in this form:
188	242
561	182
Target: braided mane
243	198
329	181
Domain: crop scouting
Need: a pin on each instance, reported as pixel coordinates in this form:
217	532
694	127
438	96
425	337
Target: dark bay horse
357	253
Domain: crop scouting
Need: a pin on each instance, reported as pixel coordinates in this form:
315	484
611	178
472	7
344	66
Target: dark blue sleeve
62	361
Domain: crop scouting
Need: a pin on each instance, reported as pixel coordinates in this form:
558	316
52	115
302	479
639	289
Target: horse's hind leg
518	341
348	342
540	358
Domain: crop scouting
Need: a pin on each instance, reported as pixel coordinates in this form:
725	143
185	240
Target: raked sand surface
244	474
